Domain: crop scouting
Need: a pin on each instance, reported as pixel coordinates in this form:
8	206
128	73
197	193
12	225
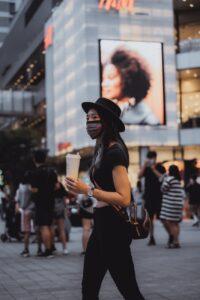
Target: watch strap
91	191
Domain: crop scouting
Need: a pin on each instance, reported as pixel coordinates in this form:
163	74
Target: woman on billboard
126	80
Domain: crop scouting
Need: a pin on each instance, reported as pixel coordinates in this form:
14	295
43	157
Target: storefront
82	41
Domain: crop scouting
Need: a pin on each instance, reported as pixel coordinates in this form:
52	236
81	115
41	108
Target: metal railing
189	45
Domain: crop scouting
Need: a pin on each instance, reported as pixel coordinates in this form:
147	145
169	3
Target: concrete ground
163	274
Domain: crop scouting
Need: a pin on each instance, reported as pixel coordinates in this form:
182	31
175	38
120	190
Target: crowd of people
163	195
159	190
40	206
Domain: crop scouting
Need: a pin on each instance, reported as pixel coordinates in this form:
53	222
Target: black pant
109	249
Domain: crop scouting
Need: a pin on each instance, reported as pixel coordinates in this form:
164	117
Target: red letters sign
63	146
48	37
117	5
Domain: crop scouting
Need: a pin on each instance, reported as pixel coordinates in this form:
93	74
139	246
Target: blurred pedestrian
43	186
152	191
172	205
8	190
60	195
2	201
137	193
193	190
26	207
109	244
86	213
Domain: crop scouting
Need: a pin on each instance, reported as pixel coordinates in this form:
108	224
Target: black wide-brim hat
108	108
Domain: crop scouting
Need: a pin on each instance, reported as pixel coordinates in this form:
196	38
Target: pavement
163	274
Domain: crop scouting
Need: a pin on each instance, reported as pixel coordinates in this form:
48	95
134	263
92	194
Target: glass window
188	31
4	22
4	6
12	8
190	97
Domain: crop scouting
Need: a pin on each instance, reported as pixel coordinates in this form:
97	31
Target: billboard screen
132	77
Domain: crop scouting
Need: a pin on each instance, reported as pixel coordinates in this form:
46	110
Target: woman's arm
121	197
156	172
33	190
17	207
165	185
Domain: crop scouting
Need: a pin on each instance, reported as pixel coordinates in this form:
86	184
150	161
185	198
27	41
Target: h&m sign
118	5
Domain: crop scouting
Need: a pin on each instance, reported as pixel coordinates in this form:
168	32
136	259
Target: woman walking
109	244
172	205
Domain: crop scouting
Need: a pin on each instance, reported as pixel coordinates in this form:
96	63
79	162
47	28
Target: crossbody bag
139	224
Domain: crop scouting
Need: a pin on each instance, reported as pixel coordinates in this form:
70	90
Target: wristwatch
90	192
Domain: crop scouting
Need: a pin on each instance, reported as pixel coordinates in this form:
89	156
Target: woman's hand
153	167
76	186
33	190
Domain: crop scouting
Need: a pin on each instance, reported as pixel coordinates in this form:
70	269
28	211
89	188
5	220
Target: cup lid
77	155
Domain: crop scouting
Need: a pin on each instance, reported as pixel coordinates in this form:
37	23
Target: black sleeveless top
113	156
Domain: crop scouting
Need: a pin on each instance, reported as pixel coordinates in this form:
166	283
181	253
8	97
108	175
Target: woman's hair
174	171
151	154
110	134
40	156
160	168
26	178
134	73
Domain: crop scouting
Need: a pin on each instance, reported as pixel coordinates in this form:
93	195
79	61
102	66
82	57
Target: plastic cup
72	165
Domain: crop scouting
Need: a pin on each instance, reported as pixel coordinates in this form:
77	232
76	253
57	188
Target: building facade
8	9
187	24
72	62
22	71
60	53
187	29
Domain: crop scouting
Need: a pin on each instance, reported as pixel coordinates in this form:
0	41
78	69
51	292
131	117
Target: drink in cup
72	165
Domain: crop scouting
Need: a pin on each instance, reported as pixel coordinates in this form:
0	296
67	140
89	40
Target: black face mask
94	129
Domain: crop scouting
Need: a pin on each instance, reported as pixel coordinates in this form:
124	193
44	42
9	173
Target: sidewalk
162	274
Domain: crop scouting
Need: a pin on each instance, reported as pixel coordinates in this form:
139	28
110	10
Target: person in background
26	207
60	195
86	205
152	192
137	193
172	205
8	197
86	210
193	191
43	186
2	201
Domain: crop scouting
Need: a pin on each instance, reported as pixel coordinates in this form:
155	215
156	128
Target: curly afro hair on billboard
134	73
